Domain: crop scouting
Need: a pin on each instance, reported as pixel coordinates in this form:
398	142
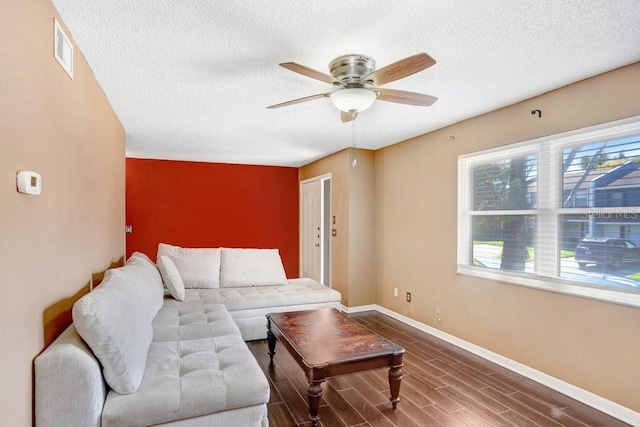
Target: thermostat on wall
29	182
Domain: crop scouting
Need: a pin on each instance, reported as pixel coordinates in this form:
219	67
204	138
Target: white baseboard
600	403
358	309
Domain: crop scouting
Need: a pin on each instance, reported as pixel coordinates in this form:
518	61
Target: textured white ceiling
191	79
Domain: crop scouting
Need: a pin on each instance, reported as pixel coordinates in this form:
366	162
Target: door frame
325	226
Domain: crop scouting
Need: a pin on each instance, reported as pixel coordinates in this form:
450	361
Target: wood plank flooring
442	385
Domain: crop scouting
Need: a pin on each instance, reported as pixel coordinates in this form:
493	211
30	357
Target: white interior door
311	230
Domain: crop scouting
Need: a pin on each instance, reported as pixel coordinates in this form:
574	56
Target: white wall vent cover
62	48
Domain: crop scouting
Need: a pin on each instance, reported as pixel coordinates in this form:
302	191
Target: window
625	231
504	201
560	213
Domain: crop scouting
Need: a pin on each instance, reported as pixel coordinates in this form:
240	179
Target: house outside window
560	213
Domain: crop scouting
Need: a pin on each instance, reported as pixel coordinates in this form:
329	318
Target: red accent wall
193	204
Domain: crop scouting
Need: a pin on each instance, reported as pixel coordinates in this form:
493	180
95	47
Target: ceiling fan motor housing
349	69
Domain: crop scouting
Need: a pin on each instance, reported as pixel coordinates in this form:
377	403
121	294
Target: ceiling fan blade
306	71
347	116
398	70
404	97
299	100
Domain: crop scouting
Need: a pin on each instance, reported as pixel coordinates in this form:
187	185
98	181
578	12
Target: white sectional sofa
140	354
252	284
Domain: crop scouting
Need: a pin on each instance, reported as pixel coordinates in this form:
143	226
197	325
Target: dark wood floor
442	385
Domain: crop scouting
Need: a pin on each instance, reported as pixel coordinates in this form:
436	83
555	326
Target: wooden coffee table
326	343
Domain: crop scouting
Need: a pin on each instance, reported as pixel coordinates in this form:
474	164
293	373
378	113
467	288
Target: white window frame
549	175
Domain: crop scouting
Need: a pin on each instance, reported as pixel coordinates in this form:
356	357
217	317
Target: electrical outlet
395	292
438	317
408	296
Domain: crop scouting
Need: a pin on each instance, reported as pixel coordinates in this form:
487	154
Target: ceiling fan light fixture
353	99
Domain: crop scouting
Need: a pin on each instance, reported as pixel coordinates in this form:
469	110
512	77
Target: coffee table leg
271	340
395	376
314	393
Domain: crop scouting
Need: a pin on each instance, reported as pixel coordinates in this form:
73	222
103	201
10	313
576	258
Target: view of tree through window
499	186
556	209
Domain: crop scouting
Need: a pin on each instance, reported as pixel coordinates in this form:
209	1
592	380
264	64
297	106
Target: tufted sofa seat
248	306
197	364
296	292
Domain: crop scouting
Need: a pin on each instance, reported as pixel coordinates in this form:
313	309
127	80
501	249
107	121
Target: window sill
554	285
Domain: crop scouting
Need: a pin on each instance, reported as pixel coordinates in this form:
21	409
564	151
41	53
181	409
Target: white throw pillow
198	267
171	277
119	333
251	267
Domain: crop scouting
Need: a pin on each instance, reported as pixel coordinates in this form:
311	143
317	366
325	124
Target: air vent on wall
62	48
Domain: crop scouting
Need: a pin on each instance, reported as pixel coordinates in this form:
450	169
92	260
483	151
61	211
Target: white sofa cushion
198	267
251	267
117	328
197	365
171	277
294	293
145	280
182	322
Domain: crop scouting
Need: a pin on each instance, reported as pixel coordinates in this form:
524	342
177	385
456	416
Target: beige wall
50	244
362	272
592	344
352	203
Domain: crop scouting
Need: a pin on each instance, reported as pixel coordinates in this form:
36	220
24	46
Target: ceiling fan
357	81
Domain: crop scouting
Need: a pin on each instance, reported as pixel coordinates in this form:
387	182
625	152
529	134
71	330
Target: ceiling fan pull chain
354	160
